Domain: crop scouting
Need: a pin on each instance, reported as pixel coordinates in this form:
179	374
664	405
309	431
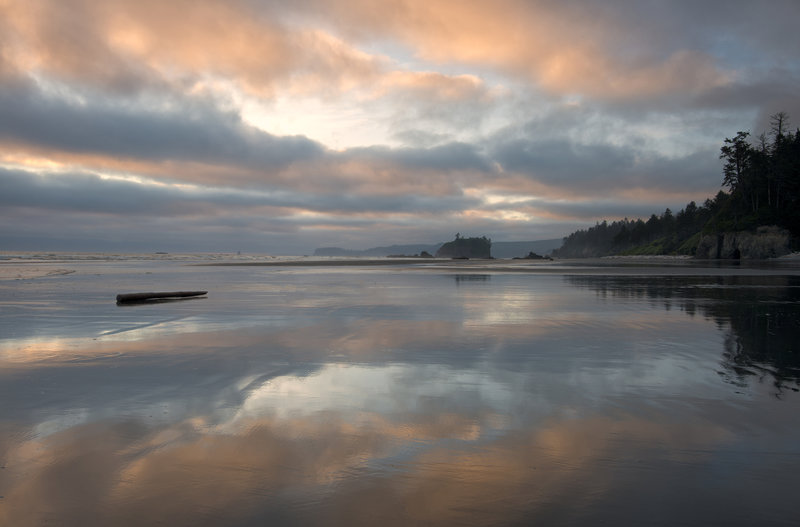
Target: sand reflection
328	468
410	400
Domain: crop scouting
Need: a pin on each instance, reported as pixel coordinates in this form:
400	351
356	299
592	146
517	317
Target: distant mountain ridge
499	249
378	251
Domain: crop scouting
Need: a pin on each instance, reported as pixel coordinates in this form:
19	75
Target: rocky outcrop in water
466	248
765	242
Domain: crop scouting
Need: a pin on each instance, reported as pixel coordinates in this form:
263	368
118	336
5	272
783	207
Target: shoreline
622	265
321	263
55	266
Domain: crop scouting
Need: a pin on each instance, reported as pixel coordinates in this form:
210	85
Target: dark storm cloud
560	162
604	167
183	129
776	91
85	193
89	193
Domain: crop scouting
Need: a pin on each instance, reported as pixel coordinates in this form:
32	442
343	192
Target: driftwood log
143	297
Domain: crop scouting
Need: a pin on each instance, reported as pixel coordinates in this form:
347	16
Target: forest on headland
466	248
759	206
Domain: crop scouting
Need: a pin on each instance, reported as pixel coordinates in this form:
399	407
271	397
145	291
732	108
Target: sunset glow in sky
277	127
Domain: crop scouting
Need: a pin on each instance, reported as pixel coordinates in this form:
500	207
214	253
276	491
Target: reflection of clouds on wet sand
759	312
372	365
397	444
176	337
387	398
392	390
324	469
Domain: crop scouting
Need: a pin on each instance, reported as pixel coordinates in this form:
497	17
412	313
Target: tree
763	180
667	221
780	155
736	153
685	220
779	123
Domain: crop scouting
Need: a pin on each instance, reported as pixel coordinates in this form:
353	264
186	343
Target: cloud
124	45
591	49
90	193
317	119
600	169
771	92
86	210
181	129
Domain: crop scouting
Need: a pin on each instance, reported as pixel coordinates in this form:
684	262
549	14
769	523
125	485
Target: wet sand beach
398	392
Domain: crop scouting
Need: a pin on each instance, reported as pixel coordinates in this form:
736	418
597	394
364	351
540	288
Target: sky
266	126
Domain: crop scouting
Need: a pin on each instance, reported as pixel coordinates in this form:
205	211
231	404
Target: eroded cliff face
765	242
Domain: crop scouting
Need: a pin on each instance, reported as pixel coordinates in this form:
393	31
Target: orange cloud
435	85
565	48
121	44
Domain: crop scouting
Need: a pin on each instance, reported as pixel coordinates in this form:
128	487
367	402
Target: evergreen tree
763	183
